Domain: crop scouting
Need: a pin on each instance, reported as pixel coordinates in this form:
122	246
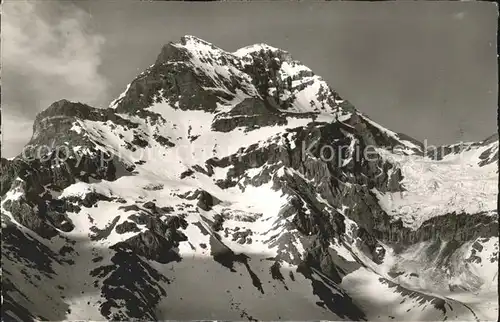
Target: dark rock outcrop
250	114
139	292
206	201
459	227
152	246
218	222
127	226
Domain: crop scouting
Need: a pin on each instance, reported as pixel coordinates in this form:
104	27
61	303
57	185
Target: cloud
16	132
49	50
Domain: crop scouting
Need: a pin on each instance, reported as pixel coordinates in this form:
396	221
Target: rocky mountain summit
240	186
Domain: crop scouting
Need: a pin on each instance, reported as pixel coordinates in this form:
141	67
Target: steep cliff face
243	174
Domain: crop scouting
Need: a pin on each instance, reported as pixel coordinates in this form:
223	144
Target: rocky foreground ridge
241	186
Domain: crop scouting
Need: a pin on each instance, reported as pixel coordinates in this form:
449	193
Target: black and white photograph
249	161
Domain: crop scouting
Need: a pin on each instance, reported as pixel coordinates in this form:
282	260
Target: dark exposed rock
395	274
130	208
371	246
337	302
218	222
166	210
152	246
53	128
140	291
89	200
477	246
12	309
374	137
153	187
38	209
140	218
18	247
7	174
100	234
242	236
24	213
65	250
138	141
209	171
171	53
275	272
439	152
97	259
488	157
460	227
206	201
176	222
179	82
127	226
150	205
191	195
60	220
163	141
187	173
319	257
252	113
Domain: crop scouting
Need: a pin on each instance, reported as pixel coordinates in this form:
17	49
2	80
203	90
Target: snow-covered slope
205	191
455	184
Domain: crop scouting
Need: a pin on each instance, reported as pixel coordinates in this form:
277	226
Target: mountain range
241	186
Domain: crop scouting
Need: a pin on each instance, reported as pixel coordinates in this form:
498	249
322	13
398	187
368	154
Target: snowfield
436	188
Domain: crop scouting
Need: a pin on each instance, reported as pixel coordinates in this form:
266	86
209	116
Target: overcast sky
428	69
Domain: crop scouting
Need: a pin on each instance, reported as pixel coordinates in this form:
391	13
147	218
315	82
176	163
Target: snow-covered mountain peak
244	174
198	45
211	76
194	47
257	48
193	40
